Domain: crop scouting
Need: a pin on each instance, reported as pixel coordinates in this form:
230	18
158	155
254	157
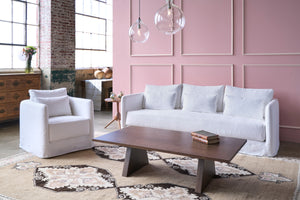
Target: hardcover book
199	139
205	134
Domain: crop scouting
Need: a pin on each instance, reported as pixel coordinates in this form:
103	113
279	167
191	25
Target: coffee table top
176	142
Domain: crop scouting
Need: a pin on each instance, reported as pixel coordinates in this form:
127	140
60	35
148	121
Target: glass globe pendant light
169	18
139	32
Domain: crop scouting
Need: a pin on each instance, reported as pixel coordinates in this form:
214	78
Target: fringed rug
85	175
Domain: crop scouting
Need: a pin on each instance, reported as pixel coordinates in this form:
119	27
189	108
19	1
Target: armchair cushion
64	127
47	93
56	105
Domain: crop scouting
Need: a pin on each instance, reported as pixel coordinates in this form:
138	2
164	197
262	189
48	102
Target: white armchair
46	135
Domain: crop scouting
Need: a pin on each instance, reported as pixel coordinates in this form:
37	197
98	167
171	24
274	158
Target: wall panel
151	74
209	27
267	27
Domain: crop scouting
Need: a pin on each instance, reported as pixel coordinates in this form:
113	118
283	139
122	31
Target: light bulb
169	18
139	32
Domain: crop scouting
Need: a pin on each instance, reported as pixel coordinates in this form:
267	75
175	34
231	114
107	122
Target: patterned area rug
118	153
188	166
158	191
73	178
271	177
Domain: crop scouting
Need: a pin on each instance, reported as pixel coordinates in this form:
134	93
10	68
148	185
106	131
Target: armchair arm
272	126
128	103
33	125
85	108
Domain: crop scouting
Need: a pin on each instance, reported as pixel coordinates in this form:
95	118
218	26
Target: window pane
5	10
95	9
18	12
79	40
109	44
32	35
109	27
87	7
5	52
33	1
19	60
79	6
98	42
19	34
5	36
32	14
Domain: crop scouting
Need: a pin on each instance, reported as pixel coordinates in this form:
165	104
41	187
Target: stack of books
205	137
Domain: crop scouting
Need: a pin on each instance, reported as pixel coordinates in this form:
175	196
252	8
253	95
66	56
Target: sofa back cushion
47	93
205	104
202	93
162	97
245	102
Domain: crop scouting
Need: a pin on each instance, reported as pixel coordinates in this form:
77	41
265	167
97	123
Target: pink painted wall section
272	26
212	31
157	44
244	43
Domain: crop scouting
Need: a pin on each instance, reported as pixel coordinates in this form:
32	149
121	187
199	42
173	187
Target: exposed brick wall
57	43
63	34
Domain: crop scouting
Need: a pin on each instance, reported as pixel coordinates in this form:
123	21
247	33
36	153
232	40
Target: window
19	25
93	33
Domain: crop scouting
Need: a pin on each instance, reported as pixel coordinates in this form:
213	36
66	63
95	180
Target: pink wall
244	43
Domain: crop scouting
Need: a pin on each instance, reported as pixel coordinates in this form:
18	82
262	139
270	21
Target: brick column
57	44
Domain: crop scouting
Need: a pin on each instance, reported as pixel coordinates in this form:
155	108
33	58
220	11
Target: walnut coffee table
140	139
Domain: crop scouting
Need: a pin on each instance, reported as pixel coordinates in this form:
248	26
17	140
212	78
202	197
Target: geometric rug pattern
271	177
118	153
73	178
159	191
188	166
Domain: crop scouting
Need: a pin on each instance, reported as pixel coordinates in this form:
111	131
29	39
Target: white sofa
52	123
250	114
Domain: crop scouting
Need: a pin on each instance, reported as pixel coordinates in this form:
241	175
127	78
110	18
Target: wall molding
211	65
270	65
152	65
257	54
147	55
210	54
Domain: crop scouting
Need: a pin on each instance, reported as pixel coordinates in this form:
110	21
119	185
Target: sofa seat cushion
229	126
64	127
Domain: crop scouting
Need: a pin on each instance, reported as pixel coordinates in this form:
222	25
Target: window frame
12	22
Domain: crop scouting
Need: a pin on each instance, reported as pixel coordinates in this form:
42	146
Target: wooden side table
117	117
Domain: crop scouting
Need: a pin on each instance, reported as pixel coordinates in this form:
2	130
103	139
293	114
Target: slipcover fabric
262	134
47	137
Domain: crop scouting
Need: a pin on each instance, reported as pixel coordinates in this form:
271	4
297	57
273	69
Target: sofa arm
272	127
128	103
33	124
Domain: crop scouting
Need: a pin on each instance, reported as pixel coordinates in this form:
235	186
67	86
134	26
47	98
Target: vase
28	68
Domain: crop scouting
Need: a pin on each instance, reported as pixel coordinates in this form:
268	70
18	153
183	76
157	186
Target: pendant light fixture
169	18
139	32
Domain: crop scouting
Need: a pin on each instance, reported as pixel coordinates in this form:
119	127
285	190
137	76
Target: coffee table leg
205	172
134	160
